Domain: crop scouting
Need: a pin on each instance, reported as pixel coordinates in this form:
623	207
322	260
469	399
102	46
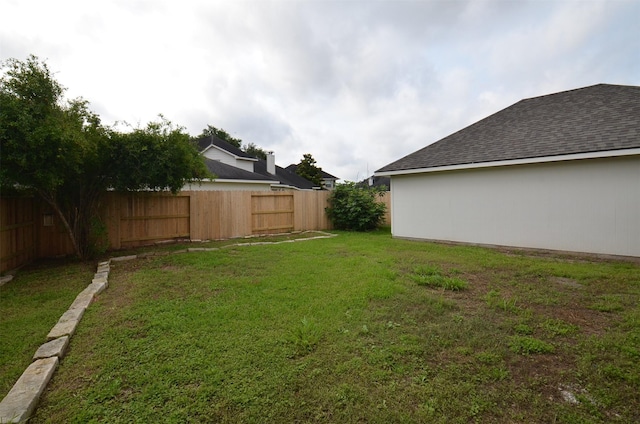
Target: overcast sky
358	84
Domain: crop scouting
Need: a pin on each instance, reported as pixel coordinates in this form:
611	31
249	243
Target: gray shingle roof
212	140
293	168
228	172
598	118
285	176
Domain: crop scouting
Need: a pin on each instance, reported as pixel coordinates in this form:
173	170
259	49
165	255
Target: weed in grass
464	350
608	303
431	276
527	345
488	357
346	395
305	337
440	304
496	301
558	327
523	329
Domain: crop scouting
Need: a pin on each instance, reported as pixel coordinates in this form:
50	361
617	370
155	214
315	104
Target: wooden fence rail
29	229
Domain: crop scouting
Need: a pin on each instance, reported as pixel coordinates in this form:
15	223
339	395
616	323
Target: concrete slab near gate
55	347
22	399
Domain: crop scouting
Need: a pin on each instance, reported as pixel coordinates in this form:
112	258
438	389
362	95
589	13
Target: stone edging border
22	399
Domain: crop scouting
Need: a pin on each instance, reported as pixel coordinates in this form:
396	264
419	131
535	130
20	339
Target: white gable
216	153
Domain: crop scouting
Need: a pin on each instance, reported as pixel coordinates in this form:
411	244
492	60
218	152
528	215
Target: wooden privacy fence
30	230
143	218
17	232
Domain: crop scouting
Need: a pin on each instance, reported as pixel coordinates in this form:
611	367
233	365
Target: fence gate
145	218
271	213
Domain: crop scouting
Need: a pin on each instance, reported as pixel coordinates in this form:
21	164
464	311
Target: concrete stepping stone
22	399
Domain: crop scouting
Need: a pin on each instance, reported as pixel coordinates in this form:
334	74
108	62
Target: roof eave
526	161
229	180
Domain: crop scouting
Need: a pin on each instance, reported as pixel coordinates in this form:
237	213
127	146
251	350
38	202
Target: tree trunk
72	236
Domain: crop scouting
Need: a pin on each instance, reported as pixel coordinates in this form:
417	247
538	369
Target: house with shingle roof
328	181
236	170
560	172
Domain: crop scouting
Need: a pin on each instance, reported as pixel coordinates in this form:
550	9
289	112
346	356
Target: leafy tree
307	169
255	151
352	207
160	156
60	151
249	148
221	134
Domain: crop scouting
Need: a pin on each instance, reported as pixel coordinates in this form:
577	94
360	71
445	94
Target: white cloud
357	84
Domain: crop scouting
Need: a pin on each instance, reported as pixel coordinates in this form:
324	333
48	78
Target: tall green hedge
356	208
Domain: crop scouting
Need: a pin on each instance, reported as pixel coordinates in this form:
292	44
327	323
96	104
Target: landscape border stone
22	399
56	347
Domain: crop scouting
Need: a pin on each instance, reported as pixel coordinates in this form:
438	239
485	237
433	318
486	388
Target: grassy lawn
356	328
30	306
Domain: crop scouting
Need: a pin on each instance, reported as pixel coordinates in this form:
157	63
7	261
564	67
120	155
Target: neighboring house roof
599	118
285	176
211	140
325	175
375	181
328	176
223	171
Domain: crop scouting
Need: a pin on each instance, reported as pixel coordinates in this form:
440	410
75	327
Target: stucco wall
584	206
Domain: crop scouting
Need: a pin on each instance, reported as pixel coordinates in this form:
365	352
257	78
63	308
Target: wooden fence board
146	217
272	212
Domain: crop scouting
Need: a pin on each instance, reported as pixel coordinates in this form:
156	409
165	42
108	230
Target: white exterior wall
227	158
583	206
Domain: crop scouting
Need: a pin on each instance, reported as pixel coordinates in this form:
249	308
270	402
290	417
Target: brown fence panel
149	217
17	232
310	210
272	212
219	215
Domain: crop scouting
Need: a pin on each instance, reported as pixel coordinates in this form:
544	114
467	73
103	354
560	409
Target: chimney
271	163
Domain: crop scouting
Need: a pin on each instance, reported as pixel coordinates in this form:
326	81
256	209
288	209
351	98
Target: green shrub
355	208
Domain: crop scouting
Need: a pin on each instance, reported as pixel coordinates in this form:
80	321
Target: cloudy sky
356	83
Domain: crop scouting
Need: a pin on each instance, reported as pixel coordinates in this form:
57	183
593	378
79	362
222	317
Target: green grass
30	306
338	330
431	276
